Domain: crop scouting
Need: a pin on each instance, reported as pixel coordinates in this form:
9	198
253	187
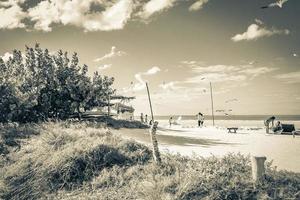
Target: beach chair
288	129
232	129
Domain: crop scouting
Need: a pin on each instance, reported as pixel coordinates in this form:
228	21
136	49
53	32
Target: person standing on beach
267	123
142	118
200	118
170	121
146	119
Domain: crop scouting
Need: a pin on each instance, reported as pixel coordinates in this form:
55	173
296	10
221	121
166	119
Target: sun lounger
288	129
232	129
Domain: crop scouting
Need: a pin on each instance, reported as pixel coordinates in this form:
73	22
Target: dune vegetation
84	160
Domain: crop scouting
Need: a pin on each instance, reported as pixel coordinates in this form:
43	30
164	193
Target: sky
250	55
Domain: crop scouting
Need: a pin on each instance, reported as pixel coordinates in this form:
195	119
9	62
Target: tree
38	85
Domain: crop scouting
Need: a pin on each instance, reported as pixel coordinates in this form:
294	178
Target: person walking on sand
269	121
142	118
200	118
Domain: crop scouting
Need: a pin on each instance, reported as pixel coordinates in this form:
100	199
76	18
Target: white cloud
258	21
189	62
113	18
11	15
215	77
154	6
113	53
254	72
223	73
44	14
141	83
77	13
216	68
256	31
169	86
105	66
152	71
90	15
198	5
6	56
292	77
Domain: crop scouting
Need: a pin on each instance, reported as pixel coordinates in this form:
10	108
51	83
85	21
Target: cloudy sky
250	55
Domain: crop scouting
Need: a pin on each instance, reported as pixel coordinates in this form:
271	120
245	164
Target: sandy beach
282	149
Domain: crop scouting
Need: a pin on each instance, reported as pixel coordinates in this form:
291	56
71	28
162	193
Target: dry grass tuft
66	158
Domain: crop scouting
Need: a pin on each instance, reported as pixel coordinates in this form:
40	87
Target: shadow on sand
176	140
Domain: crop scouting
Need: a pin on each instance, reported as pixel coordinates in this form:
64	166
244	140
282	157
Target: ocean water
240	121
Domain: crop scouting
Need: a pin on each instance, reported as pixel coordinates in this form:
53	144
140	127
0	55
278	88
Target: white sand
284	150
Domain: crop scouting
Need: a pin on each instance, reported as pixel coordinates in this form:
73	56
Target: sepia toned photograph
150	99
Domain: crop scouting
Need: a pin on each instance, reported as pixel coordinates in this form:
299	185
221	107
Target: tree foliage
38	85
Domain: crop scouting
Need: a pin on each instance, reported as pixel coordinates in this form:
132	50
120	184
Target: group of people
200	119
276	128
269	123
144	119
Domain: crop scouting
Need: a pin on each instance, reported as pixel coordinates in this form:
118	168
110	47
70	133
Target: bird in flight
278	3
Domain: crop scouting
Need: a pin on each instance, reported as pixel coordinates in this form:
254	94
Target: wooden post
258	168
156	154
212	104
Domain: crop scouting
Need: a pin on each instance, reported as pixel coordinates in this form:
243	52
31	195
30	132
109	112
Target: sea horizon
231	117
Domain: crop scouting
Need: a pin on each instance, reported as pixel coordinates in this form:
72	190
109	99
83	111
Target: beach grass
63	160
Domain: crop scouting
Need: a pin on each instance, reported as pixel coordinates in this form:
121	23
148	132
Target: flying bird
252	62
278	3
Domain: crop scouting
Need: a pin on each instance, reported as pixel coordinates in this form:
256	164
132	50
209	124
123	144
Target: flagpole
156	154
150	102
212	104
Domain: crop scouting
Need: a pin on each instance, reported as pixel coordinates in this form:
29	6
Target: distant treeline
39	85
